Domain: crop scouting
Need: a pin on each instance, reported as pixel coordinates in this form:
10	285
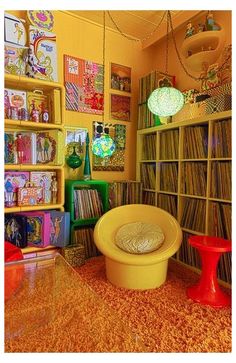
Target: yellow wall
83	39
158	50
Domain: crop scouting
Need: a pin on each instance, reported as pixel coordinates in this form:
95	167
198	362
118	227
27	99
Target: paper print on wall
72	96
120	107
42	59
164	80
42	19
84	85
14	30
118	133
120	77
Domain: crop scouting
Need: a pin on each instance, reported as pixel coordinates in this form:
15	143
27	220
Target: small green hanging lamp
73	160
103	146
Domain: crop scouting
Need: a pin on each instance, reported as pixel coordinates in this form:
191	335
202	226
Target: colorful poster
120	77
118	133
120	107
84	85
42	59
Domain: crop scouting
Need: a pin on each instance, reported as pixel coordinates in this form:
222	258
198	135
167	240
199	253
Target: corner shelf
194	44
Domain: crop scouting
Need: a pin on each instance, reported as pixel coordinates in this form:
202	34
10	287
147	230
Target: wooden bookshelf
190	178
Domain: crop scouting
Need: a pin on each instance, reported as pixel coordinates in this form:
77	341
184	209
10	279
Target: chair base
138	277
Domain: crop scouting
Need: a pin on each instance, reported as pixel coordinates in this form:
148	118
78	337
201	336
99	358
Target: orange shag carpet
164	318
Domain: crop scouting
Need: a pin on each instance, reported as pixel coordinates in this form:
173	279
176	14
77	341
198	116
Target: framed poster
84	85
14	31
117	132
120	77
75	136
120	107
75	141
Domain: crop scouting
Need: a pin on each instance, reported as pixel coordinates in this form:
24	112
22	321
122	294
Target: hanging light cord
103	60
137	40
167	13
181	62
167	41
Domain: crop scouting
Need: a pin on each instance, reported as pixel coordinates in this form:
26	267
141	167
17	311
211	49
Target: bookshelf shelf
191	178
54	93
32	125
86	201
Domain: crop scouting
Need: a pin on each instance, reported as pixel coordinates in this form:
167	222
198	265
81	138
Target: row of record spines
87	203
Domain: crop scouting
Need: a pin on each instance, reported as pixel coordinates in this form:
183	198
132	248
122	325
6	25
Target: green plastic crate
71	185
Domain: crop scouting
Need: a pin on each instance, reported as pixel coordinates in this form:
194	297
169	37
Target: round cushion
139	237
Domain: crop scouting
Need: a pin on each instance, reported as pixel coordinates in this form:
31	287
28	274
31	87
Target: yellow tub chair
136	271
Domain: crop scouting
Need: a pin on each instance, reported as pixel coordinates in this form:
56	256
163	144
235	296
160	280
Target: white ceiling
135	23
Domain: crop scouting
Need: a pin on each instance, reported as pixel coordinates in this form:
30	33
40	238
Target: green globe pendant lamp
165	101
103	146
73	160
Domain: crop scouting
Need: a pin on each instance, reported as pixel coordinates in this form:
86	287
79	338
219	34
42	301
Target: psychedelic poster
120	107
84	85
118	133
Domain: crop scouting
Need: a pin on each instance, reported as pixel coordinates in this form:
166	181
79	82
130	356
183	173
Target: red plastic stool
207	291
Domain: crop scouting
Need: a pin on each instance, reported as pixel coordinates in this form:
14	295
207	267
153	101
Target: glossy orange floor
53	310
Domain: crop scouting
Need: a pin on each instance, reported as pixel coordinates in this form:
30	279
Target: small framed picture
120	107
75	137
120	77
14	31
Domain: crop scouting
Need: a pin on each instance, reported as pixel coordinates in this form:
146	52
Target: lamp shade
103	146
165	101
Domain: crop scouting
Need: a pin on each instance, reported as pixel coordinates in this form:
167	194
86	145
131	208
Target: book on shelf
169	177
148	198
59	228
43	179
196	142
87	203
149	147
13	180
9	147
16	230
187	254
220	222
124	192
221	172
168	203
148	175
38	147
84	237
194	178
169	145
38	228
222	139
194	214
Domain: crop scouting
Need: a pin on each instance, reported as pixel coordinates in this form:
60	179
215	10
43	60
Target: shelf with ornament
24	95
203	47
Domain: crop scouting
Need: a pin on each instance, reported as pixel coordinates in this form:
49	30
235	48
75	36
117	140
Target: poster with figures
118	133
42	57
83	85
